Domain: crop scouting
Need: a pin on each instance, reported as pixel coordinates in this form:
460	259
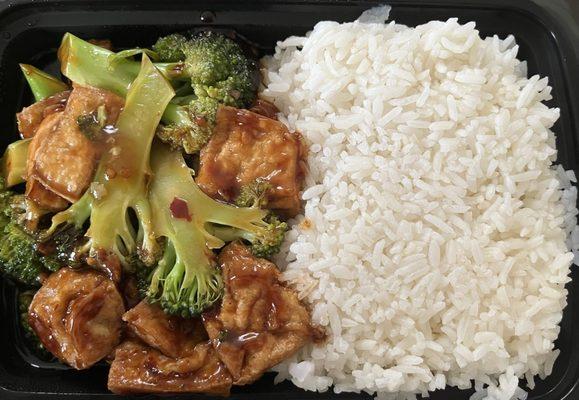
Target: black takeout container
30	32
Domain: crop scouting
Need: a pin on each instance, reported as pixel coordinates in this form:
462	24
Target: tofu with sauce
247	146
77	316
260	322
138	368
64	160
30	118
43	197
168	334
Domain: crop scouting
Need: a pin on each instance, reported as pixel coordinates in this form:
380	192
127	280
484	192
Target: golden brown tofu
260	322
65	160
43	197
77	316
265	108
246	146
138	368
168	334
30	118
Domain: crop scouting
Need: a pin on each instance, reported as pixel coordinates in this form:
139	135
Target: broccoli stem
87	64
90	65
41	84
75	215
122	177
186	280
147	98
14	162
176	114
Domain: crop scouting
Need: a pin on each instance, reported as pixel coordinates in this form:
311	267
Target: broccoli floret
253	194
219	69
220	74
187	281
92	125
185	134
212	65
170	48
121	178
18	256
41	84
24	300
262	244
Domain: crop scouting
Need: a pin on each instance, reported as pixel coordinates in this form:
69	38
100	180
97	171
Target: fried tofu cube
64	160
77	316
247	146
138	368
168	334
30	118
260	322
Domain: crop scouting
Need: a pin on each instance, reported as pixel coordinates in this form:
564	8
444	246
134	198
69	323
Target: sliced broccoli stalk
212	65
14	162
24	300
130	53
122	177
186	280
41	84
90	65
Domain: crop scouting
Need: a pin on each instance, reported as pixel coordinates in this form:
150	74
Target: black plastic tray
30	32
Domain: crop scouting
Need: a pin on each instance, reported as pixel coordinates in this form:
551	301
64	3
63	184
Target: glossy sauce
265	108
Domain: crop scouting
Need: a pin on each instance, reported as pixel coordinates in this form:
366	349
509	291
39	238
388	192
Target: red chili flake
179	209
202	122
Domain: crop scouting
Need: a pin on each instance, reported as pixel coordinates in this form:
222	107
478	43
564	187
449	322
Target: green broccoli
213	66
120	183
261	245
19	258
41	84
191	125
187	281
170	48
24	300
219	72
255	195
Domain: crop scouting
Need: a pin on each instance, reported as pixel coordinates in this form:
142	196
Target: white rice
439	242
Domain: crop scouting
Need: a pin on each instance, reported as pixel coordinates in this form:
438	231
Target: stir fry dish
141	210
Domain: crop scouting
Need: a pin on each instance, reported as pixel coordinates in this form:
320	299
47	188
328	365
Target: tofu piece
42	196
246	146
65	160
265	108
138	368
30	118
260	322
77	316
168	334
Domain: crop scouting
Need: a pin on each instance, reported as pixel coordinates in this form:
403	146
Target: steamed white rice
436	246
